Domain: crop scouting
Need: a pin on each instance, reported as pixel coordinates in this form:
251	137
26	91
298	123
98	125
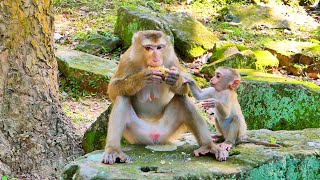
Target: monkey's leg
119	116
199	128
231	130
217	138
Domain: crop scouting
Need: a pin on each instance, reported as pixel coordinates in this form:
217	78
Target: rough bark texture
36	139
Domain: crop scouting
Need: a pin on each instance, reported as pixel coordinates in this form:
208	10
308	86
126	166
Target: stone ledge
298	160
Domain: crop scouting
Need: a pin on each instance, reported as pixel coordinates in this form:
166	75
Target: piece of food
161	68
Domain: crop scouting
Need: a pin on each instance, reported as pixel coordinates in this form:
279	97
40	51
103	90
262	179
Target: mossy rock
296	56
190	38
99	44
296	160
230	56
85	71
95	136
132	19
265	60
274	102
268	16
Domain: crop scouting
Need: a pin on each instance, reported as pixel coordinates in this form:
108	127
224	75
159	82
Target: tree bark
36	138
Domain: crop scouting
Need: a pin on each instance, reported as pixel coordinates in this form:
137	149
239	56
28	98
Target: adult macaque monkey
228	117
150	106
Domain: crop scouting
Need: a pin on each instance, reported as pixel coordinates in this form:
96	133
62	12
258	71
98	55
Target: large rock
99	44
274	102
238	57
229	55
131	20
261	16
265	60
85	71
299	159
191	38
95	136
297	57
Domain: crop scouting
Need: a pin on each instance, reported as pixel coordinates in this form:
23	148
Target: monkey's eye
148	48
160	46
218	75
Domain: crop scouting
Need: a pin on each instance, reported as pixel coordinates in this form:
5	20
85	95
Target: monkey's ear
235	84
134	37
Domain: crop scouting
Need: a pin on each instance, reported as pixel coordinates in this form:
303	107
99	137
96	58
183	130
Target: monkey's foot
220	154
225	146
115	157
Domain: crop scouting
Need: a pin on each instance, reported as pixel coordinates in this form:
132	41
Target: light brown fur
149	107
228	117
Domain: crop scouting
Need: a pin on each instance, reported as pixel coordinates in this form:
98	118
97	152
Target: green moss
237	60
132	19
191	38
85	72
265	60
289	48
273	102
197	51
201	82
253	75
288	168
218	53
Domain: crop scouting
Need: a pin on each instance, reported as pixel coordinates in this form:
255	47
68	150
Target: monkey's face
154	54
221	80
224	79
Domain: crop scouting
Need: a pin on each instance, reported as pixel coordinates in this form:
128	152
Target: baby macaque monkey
228	118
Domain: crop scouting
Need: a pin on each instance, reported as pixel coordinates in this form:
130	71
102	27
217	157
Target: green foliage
83	35
72	86
272	140
116	54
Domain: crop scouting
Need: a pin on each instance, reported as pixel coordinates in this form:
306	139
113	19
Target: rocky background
274	45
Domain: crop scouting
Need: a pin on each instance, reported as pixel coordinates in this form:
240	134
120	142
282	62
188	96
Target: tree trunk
36	139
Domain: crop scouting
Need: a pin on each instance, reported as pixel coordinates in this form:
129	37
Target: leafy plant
272	140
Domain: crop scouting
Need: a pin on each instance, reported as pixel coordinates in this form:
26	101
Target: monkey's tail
258	142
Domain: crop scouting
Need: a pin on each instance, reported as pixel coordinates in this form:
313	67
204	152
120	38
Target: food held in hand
161	68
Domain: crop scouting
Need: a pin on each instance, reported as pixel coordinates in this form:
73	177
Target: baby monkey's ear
235	84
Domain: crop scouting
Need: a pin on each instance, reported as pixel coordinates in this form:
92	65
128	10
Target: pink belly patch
155	137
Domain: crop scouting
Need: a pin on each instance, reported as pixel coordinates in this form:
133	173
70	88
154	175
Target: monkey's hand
172	76
208	103
220	154
186	78
153	76
113	155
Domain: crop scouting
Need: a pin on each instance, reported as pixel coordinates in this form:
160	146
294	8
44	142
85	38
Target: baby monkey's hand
208	103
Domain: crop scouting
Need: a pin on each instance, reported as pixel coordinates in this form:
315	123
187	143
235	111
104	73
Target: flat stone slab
89	72
298	159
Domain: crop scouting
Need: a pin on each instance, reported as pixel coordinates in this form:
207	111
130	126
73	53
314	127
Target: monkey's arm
180	87
200	94
127	86
175	78
127	81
